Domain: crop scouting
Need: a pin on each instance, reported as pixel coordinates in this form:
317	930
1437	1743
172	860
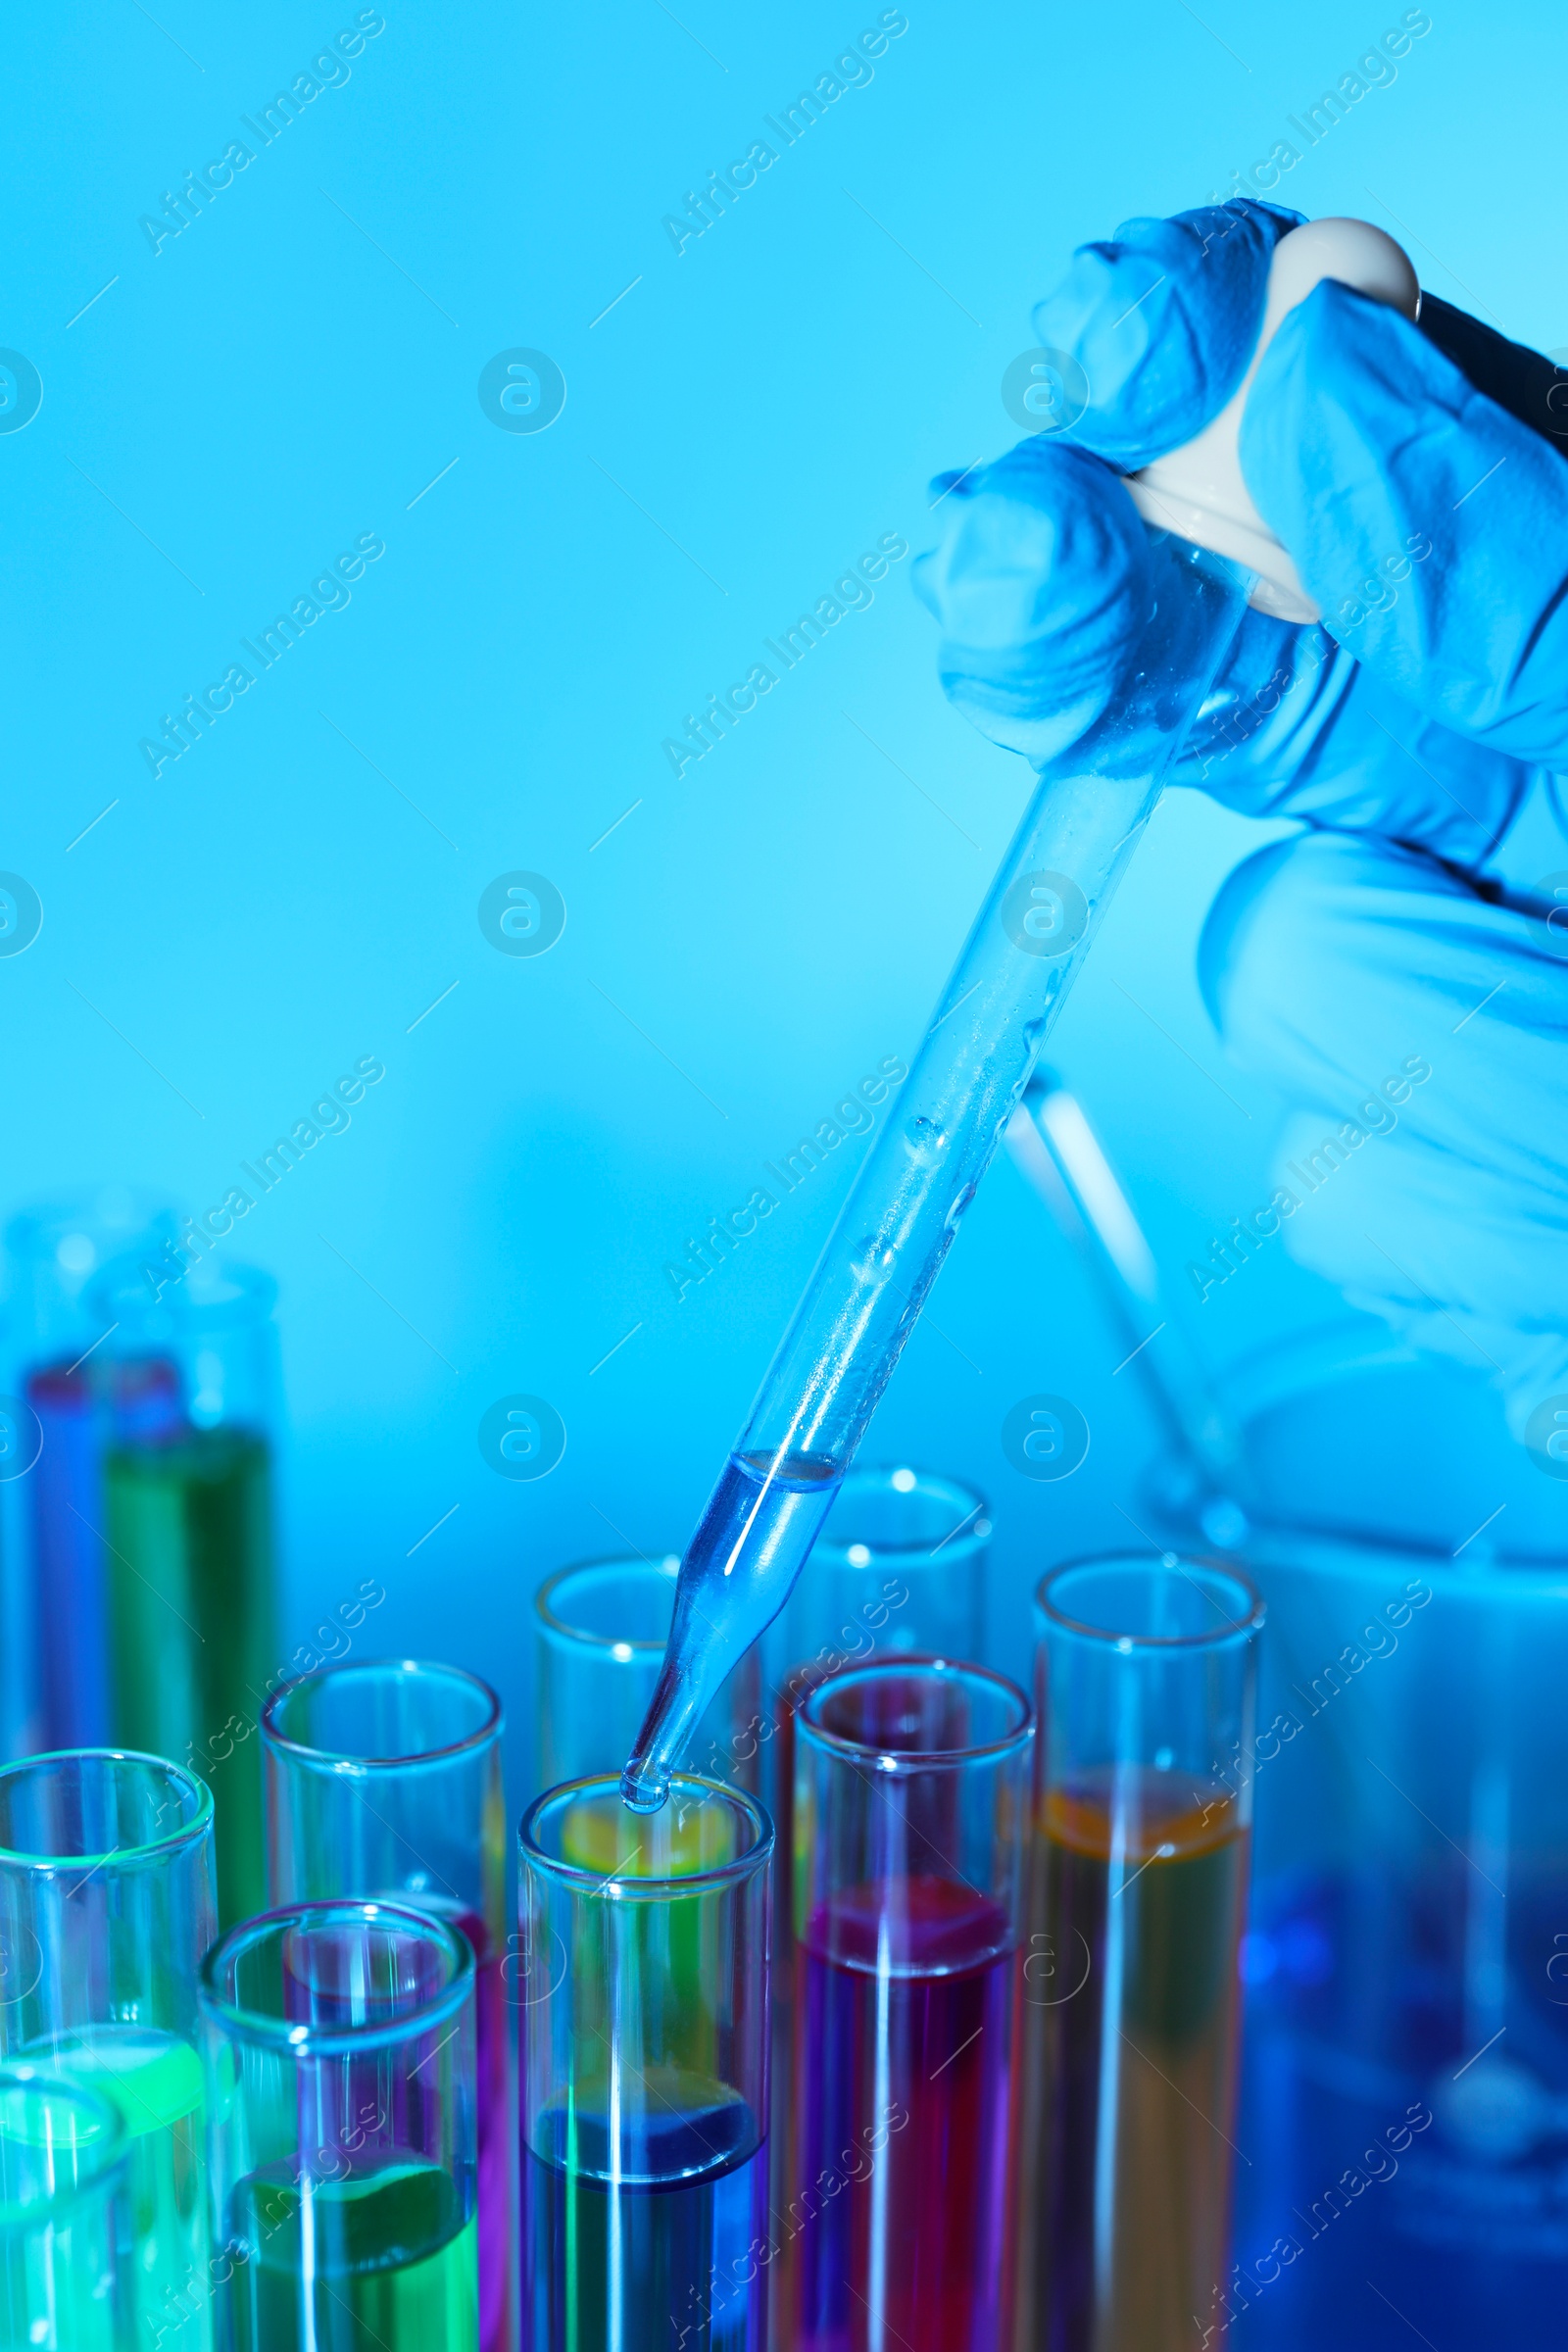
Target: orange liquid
1131	2019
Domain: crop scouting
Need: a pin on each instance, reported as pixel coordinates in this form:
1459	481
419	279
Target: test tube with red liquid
911	1797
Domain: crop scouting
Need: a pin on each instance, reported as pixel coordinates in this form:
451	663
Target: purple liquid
493	2197
904	2116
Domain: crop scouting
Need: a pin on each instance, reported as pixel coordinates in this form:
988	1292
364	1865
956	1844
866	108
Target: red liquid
903	2121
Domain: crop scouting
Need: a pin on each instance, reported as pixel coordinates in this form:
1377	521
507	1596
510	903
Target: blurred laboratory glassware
1058	1152
1406	1956
62	1408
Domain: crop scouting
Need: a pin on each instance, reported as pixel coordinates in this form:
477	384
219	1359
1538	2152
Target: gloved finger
1420	1029
1161	321
1296	727
1040	583
1374	459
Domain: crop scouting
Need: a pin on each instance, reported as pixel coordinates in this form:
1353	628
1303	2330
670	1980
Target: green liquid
190	1603
155	2080
56	2279
385	2263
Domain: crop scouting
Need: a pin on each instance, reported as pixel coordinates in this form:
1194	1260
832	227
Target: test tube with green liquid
105	1908
187	1515
62	2181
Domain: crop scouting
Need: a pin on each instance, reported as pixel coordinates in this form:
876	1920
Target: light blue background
276	380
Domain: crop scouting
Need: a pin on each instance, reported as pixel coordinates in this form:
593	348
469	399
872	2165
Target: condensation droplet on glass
873	1259
960	1204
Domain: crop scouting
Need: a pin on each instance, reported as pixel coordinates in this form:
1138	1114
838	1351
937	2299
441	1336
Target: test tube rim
1238	1630
556	1628
125	1857
18	2221
276	2033
895	1762
347	1763
247	1293
63	1209
579	1881
906	1557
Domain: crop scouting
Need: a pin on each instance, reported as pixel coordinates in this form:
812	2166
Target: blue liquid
670	2254
753	1542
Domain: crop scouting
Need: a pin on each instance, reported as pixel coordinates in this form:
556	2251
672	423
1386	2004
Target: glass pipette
898	1223
1093	800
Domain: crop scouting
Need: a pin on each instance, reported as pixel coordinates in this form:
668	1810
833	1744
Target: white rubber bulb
1197	490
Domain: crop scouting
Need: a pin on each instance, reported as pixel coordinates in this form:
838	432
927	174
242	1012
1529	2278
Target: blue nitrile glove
1395	968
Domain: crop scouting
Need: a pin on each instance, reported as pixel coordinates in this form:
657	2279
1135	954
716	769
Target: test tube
911	1799
65	1400
106	1907
188	1522
338	2045
643	2070
1146	1671
62	2176
601	1629
383	1781
899	1566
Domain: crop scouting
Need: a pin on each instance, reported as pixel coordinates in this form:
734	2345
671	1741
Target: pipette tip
644	1789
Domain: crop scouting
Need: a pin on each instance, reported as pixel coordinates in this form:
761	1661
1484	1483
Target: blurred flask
1052	1143
188	1540
65	1400
1406	2021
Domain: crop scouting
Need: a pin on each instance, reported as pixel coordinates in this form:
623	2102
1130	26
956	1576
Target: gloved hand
1416	476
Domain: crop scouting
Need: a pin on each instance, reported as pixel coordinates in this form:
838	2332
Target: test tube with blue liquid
72	1398
644	2071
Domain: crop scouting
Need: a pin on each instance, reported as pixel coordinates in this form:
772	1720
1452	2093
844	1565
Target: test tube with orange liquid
1146	1674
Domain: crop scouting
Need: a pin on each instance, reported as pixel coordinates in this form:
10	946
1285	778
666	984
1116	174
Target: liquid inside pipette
768	1511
